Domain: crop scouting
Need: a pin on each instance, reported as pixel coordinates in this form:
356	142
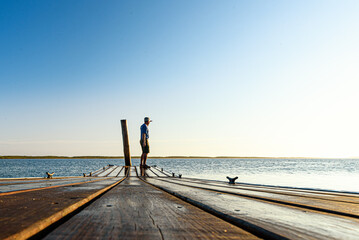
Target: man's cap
147	119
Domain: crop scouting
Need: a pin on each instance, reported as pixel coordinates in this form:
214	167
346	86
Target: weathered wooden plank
97	171
151	173
24	214
112	170
104	169
135	210
319	194
337	206
20	179
161	173
286	221
48	183
115	172
6	181
27	181
107	171
16	189
122	172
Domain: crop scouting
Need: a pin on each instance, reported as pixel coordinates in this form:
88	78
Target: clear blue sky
240	78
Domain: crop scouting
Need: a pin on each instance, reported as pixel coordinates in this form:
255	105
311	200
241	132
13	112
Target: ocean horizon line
153	157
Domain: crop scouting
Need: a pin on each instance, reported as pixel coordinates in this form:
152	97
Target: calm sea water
330	174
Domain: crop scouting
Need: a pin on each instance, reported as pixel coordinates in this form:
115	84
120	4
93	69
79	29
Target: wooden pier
117	202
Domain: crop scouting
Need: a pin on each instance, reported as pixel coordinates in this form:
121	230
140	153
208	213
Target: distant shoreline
166	157
109	157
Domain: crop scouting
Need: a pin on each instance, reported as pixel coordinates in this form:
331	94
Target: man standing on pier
144	142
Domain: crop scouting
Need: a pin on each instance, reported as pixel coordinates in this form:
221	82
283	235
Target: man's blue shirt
144	130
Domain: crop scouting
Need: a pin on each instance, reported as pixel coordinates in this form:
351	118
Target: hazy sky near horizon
218	78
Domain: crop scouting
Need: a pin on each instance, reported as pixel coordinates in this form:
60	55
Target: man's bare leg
145	158
142	159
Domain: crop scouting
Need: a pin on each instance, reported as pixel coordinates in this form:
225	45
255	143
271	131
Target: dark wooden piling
126	144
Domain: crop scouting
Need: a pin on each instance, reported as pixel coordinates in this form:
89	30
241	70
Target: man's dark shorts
145	149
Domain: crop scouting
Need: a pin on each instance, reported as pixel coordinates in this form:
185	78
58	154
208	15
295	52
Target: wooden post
126	144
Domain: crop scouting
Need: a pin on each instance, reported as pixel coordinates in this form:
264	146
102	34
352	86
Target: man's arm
144	139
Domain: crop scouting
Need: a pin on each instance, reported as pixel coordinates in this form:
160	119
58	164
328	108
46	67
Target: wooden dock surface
136	210
132	203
